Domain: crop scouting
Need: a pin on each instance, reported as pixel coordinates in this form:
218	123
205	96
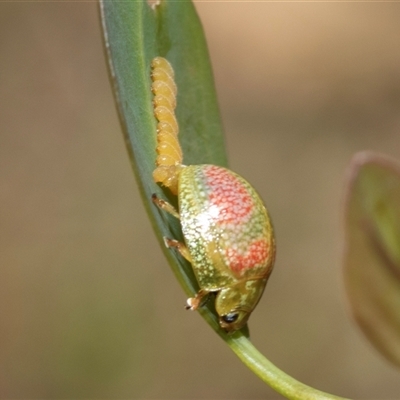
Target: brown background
88	306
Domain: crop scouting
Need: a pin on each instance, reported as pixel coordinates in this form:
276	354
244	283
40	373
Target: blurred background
88	305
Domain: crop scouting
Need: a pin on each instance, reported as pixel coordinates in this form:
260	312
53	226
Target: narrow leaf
135	33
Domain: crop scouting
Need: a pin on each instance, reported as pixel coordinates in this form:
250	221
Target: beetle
228	234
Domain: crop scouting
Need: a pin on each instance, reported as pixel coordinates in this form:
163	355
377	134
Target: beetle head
235	303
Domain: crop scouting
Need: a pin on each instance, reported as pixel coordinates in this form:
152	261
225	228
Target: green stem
239	342
273	376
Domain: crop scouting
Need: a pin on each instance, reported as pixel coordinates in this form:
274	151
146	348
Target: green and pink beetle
228	234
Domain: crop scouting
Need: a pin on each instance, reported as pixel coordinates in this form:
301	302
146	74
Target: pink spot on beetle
229	194
256	255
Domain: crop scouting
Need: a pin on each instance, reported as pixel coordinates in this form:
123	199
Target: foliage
134	34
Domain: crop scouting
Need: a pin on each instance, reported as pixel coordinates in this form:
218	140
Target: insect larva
169	159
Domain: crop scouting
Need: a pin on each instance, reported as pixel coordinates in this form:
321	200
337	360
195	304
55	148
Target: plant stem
273	376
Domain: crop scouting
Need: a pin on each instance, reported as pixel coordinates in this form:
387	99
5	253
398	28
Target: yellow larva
169	159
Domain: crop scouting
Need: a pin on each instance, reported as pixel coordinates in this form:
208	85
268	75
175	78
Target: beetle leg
193	303
183	251
164	205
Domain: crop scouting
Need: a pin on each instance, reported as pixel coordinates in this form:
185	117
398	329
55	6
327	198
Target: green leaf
372	254
133	35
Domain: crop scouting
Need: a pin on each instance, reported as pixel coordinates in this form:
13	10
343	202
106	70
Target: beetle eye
229	318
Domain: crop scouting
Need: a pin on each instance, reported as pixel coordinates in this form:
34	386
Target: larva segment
169	158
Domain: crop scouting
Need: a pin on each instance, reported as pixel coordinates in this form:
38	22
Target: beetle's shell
226	227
